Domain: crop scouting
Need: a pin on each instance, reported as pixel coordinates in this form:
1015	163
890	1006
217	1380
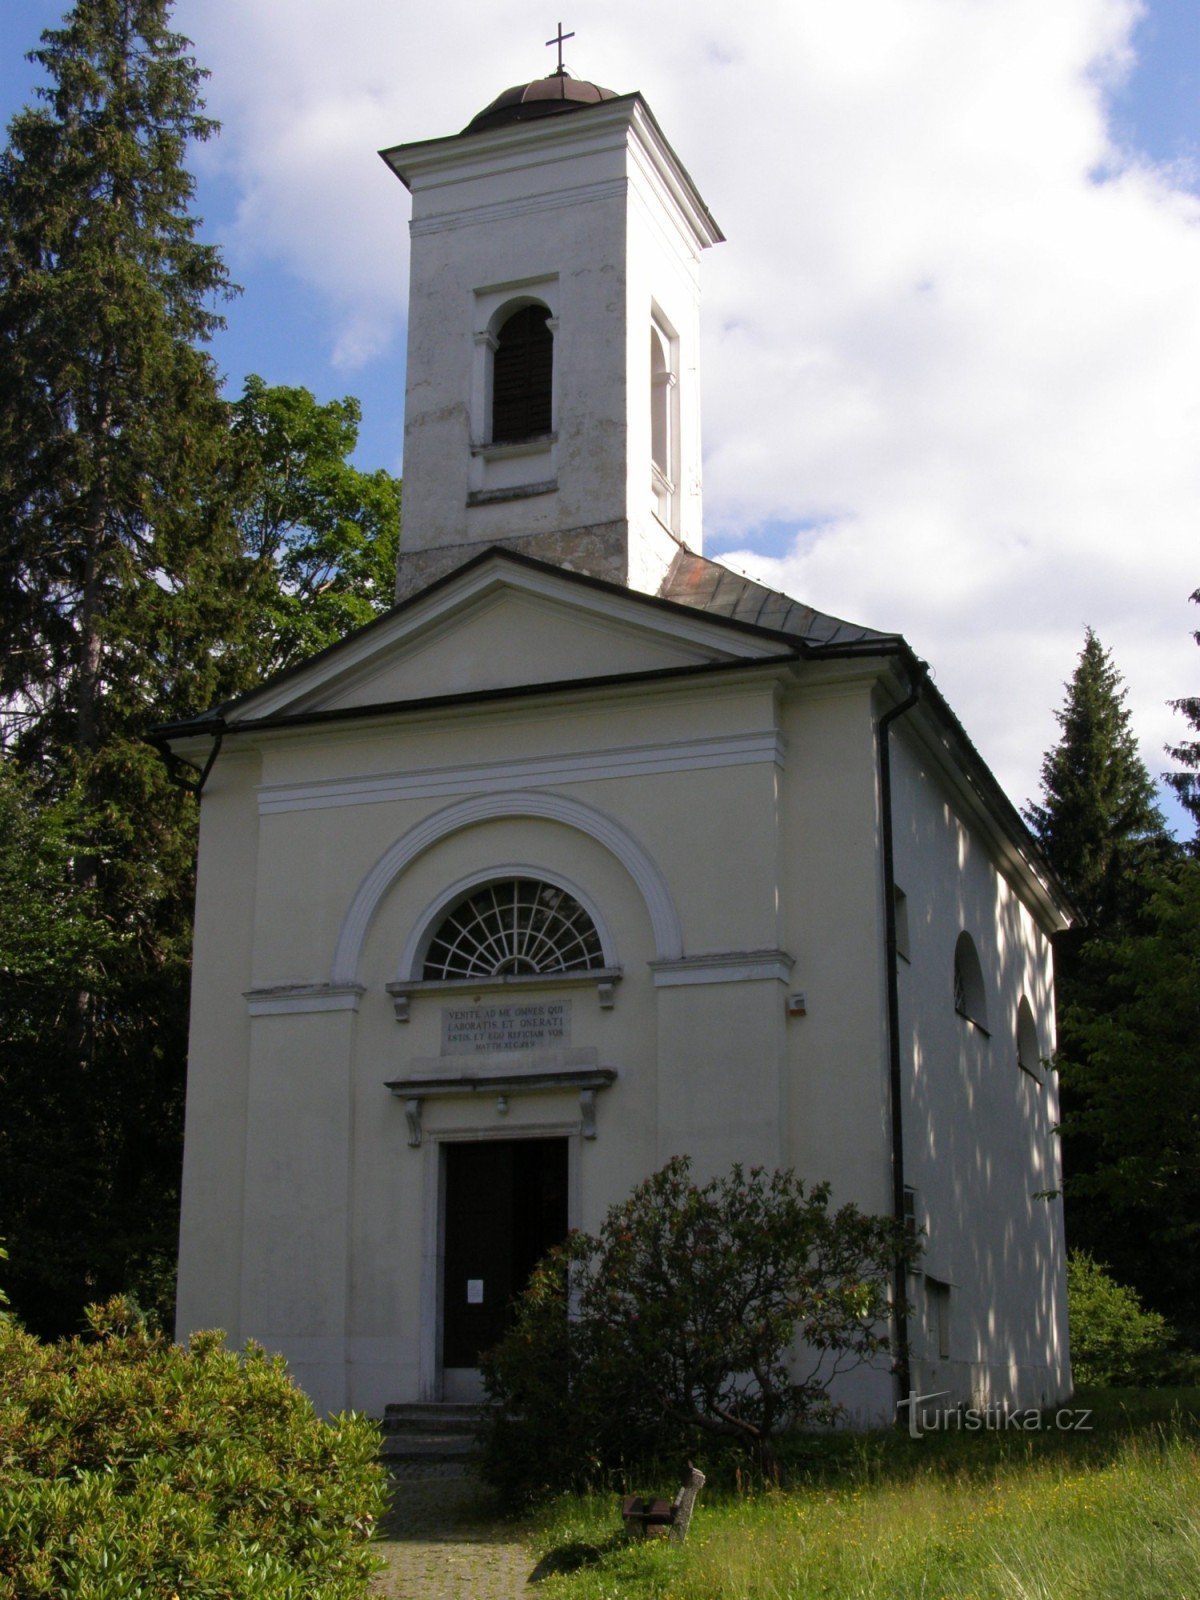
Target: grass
1108	1514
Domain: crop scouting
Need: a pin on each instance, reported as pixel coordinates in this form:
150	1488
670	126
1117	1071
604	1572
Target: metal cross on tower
559	39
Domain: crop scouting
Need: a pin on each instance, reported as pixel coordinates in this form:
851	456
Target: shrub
130	1466
1113	1340
700	1317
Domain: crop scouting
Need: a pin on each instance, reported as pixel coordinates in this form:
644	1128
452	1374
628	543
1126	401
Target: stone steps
430	1432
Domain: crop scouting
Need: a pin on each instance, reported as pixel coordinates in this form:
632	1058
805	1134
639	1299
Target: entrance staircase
430	1433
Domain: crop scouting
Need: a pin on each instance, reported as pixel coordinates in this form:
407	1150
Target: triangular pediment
502	623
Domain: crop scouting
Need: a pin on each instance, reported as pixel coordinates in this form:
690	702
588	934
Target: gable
508	640
501	626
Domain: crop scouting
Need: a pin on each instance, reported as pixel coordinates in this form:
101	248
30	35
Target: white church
592	851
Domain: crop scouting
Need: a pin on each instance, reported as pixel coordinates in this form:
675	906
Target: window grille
522	376
518	927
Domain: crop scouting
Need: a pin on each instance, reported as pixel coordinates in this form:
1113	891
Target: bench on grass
664	1519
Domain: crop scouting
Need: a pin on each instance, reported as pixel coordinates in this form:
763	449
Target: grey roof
557	92
708	586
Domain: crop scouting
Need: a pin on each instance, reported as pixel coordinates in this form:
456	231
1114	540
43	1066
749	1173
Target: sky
951	347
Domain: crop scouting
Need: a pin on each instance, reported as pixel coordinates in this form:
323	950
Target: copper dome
544	97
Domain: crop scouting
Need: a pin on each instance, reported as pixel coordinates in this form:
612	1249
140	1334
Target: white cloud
954	326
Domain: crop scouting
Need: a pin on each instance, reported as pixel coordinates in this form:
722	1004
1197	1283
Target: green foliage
1130	1069
1109	1513
1187	784
1098	822
322	535
1113	1339
117	577
111	425
701	1318
132	1467
160	551
92	1011
1105	837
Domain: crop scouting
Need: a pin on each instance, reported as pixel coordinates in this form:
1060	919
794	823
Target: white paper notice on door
474	1291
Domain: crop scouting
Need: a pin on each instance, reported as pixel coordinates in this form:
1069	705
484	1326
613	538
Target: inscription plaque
484	1029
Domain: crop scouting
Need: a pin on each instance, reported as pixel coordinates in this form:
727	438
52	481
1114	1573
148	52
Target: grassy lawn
1108	1514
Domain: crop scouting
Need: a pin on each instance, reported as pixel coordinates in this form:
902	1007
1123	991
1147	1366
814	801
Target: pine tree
160	550
111	424
1098	822
1130	1071
118	566
1187	784
1105	837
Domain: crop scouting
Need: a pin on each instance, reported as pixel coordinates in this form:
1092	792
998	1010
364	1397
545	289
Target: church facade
592	852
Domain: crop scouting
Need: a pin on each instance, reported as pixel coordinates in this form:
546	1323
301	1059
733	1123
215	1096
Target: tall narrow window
522	376
937	1304
660	410
662	425
900	902
1029	1057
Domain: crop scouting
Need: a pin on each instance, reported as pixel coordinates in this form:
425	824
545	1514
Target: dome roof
544	97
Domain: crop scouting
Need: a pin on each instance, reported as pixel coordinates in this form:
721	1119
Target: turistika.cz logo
924	1417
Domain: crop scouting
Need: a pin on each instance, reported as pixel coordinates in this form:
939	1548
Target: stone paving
441	1541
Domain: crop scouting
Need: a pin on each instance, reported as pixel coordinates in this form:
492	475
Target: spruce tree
1101	829
111	424
1187	784
160	550
118	585
1097	822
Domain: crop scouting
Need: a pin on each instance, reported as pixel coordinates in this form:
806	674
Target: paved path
438	1546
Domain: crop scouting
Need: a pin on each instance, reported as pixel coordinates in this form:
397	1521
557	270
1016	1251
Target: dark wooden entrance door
506	1204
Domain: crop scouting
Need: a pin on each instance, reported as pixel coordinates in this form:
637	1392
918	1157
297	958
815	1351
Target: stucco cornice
461	158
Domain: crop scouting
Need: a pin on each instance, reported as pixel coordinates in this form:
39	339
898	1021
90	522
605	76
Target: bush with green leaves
702	1320
130	1466
1113	1339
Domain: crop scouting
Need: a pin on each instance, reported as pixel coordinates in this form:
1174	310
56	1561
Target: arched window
516	927
522	376
1028	1055
969	998
662	424
660	397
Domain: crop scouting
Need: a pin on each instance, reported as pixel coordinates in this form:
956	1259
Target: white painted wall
311	1224
589	214
979	1145
725	826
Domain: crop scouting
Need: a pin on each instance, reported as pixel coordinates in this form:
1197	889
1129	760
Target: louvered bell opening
522	376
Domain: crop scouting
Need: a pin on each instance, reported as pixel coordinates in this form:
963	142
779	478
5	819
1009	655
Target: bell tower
552	401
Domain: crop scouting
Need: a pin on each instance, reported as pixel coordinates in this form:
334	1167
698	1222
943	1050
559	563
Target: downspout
175	764
895	1074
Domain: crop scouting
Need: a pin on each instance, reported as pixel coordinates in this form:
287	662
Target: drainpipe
895	1080
178	765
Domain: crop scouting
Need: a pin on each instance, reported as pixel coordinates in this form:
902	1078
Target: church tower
553	397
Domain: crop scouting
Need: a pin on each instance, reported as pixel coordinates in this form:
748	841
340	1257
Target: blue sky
1157	111
952	347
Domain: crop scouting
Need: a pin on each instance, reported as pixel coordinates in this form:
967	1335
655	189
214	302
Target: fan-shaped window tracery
517	927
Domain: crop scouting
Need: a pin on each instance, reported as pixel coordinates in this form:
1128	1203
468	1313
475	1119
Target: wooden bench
664	1519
